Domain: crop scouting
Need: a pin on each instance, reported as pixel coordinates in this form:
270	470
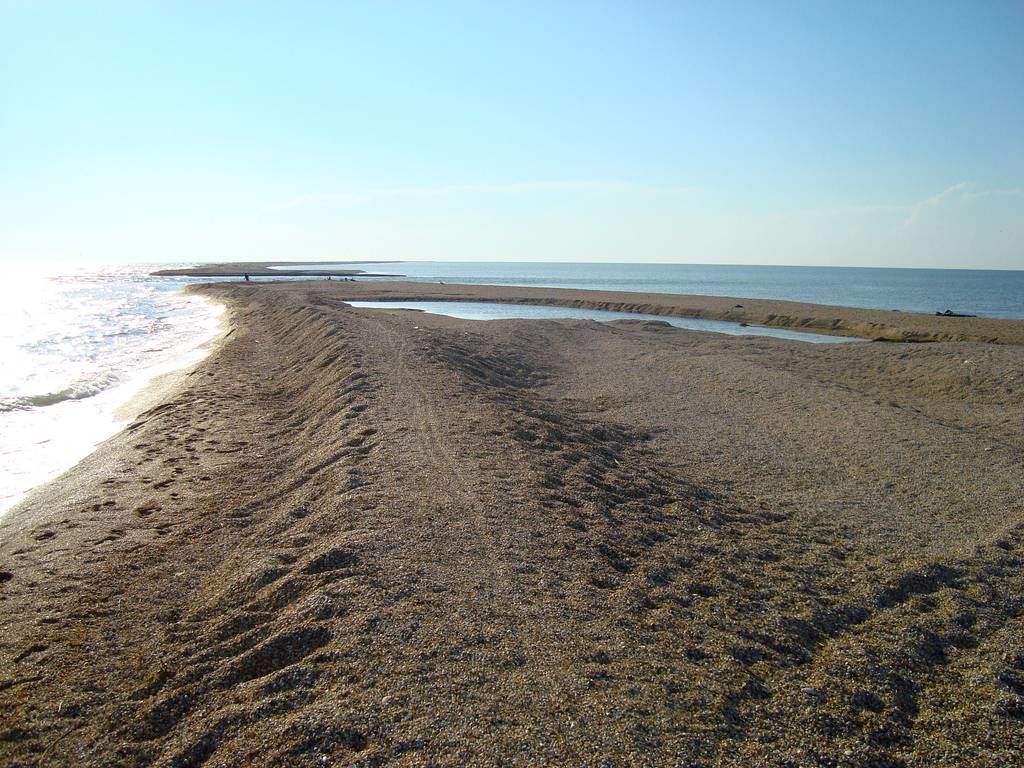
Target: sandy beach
872	324
364	537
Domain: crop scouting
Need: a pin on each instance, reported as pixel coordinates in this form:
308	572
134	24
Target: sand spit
269	269
872	324
359	537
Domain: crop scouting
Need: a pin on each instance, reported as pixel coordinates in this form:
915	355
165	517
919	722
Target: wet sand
357	537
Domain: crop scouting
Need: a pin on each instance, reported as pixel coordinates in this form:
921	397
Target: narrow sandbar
362	537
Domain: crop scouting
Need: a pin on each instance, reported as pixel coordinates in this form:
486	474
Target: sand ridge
386	538
874	324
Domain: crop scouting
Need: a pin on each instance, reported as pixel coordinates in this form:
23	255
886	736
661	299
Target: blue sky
886	134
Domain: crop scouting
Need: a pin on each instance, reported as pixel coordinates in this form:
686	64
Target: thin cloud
964	191
918	209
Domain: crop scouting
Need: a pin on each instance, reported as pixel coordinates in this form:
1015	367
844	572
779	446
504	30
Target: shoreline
161	382
386	537
870	324
139	392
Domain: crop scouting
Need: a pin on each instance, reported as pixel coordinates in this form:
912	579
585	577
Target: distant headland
271	269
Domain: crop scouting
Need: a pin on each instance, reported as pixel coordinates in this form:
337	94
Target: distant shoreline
872	324
914	291
269	269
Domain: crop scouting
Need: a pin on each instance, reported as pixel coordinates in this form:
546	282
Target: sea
78	342
989	293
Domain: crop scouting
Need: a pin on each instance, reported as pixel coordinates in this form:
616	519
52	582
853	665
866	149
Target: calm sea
78	343
989	293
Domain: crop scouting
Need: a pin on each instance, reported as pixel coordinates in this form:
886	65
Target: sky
859	134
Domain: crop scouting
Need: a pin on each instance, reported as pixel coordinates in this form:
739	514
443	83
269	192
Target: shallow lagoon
485	310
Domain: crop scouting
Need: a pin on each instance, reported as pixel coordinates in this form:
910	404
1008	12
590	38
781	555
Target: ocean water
989	293
76	345
484	310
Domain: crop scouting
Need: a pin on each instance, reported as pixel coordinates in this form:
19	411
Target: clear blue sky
866	133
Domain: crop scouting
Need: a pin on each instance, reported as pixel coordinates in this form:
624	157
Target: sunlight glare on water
76	344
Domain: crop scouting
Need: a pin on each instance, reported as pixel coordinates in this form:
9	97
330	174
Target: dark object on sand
737	306
247	278
951	313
